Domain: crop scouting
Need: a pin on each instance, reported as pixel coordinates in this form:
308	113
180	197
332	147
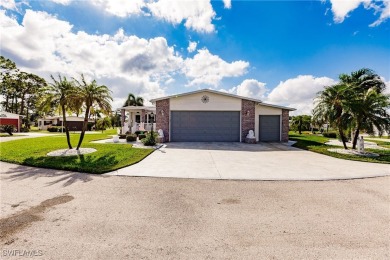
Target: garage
10	119
205	126
269	128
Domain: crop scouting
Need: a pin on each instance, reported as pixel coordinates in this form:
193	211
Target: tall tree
331	105
92	94
59	94
132	100
363	86
301	122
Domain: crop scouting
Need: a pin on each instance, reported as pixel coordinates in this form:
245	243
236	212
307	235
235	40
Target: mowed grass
108	157
316	143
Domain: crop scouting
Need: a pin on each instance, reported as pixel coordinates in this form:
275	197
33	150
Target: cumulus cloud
121	8
62	2
251	88
227	4
192	47
44	45
209	69
299	92
196	14
342	8
8	4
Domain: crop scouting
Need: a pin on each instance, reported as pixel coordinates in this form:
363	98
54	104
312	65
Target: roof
4	114
224	94
68	118
150	108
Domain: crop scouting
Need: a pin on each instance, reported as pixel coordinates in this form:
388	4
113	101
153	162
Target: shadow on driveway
231	146
14	172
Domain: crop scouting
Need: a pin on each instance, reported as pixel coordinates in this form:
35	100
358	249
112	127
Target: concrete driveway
239	161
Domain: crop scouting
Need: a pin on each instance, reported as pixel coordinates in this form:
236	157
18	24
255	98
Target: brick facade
285	125
247	117
162	117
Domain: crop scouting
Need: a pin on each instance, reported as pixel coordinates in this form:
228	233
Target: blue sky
281	52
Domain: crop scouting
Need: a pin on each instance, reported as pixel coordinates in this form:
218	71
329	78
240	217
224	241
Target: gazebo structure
137	118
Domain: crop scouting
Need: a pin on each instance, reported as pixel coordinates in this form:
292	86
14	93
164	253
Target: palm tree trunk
341	133
66	127
355	138
85	124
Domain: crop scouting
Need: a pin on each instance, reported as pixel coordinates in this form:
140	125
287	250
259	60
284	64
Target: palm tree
92	94
369	109
59	94
331	106
363	84
132	100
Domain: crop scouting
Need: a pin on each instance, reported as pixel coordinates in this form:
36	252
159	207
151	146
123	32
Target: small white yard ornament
251	134
361	145
160	133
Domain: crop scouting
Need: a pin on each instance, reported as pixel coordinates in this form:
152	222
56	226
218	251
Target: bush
149	140
141	136
122	136
9	129
24	130
131	138
329	134
52	129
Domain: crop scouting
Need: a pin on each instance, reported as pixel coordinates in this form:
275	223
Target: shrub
329	134
122	136
7	129
141	136
52	129
24	130
149	140
131	138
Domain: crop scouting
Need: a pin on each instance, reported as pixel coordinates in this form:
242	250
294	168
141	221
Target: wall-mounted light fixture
162	112
247	113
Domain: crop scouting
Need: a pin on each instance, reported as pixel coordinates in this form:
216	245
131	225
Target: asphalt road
65	215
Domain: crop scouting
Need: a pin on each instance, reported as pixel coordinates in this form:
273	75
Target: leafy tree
301	123
331	105
103	124
92	94
59	94
132	100
365	88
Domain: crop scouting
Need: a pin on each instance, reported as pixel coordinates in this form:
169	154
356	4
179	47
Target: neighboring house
11	119
74	123
213	116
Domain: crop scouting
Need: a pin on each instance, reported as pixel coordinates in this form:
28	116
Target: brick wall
247	117
285	125
162	117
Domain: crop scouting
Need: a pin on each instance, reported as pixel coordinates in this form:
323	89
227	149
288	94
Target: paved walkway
271	161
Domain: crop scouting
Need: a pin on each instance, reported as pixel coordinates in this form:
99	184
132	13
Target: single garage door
205	126
269	128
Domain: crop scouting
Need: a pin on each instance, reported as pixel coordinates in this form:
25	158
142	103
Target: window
138	118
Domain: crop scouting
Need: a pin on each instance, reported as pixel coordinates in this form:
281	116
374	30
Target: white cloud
227	4
192	47
196	14
385	14
8	4
209	69
251	88
44	45
342	8
121	8
62	2
299	92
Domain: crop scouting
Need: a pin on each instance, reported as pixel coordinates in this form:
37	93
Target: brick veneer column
162	117
285	125
247	119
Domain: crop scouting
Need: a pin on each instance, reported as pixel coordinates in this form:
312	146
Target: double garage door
205	126
218	126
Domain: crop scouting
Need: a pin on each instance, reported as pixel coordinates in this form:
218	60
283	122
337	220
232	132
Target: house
74	123
7	118
212	116
135	118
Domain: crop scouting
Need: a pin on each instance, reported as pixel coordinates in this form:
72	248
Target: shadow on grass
20	172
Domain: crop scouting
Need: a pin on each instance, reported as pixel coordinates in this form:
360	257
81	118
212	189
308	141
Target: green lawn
108	157
316	143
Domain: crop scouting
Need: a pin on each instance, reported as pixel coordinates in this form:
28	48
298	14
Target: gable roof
223	94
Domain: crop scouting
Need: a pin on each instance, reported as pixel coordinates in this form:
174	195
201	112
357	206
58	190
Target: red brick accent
162	117
285	125
247	117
